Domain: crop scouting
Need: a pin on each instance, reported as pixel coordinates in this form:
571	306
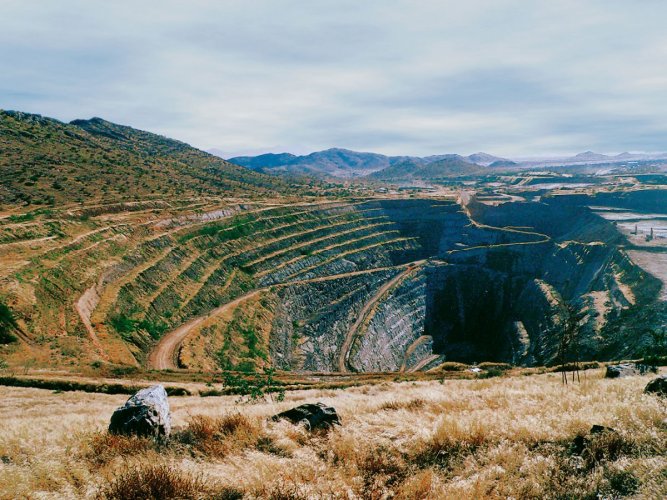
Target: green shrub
492	372
123	324
7	323
489	365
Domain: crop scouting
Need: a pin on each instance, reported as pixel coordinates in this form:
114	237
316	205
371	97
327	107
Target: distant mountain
269	160
417	169
334	162
503	164
590	156
486	159
45	161
343	163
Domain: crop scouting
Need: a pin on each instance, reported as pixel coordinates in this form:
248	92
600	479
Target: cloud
393	76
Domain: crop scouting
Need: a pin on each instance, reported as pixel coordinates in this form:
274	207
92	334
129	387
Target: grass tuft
155	482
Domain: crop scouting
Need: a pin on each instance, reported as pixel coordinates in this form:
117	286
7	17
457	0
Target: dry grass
495	438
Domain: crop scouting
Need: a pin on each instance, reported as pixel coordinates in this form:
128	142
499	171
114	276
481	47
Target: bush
254	387
492	372
104	447
155	482
622	482
411	405
453	366
489	365
122	371
218	436
7	323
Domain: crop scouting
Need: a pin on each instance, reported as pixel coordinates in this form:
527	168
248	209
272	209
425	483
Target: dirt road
162	357
352	332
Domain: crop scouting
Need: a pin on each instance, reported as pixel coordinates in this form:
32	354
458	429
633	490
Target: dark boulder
312	416
581	442
628	370
657	386
144	414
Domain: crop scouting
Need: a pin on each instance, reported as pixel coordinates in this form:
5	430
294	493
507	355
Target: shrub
489	365
155	482
123	324
413	404
253	387
104	447
452	366
218	436
622	482
7	323
122	371
492	372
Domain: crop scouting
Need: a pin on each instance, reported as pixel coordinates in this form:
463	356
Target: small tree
656	353
568	349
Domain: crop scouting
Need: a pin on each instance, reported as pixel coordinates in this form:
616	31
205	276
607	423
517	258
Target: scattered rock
628	370
144	414
657	386
313	416
580	442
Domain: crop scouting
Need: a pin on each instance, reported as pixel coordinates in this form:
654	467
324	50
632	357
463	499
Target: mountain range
344	163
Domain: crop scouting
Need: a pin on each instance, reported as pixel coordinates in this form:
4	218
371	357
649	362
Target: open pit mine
366	285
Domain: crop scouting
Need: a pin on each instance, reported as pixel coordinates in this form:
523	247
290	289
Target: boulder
312	416
582	441
657	386
628	370
144	414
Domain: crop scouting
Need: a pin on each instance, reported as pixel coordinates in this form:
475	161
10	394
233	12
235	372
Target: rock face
657	386
313	416
627	370
144	414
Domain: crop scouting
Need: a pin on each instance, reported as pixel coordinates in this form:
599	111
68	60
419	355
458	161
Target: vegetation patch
68	385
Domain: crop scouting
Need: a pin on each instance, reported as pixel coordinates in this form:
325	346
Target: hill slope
45	161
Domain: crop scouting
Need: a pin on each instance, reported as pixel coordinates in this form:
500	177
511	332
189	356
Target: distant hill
45	161
488	160
343	163
590	156
265	161
415	169
334	162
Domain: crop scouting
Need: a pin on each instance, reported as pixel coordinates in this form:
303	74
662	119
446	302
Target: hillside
47	162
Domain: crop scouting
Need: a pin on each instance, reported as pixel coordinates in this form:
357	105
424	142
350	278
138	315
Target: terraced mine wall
340	285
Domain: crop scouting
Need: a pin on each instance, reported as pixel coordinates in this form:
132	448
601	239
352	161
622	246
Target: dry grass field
503	437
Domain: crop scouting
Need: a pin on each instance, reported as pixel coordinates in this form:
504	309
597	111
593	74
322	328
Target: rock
628	370
313	416
657	386
144	414
581	442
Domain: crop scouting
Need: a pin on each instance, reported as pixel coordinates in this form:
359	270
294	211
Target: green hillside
44	161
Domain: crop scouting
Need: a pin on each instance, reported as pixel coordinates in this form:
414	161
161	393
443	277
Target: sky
513	78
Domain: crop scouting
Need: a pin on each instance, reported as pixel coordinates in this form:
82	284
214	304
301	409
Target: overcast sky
509	77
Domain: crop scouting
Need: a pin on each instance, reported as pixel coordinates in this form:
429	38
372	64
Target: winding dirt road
352	332
162	357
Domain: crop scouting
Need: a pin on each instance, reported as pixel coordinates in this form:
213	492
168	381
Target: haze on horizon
510	77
